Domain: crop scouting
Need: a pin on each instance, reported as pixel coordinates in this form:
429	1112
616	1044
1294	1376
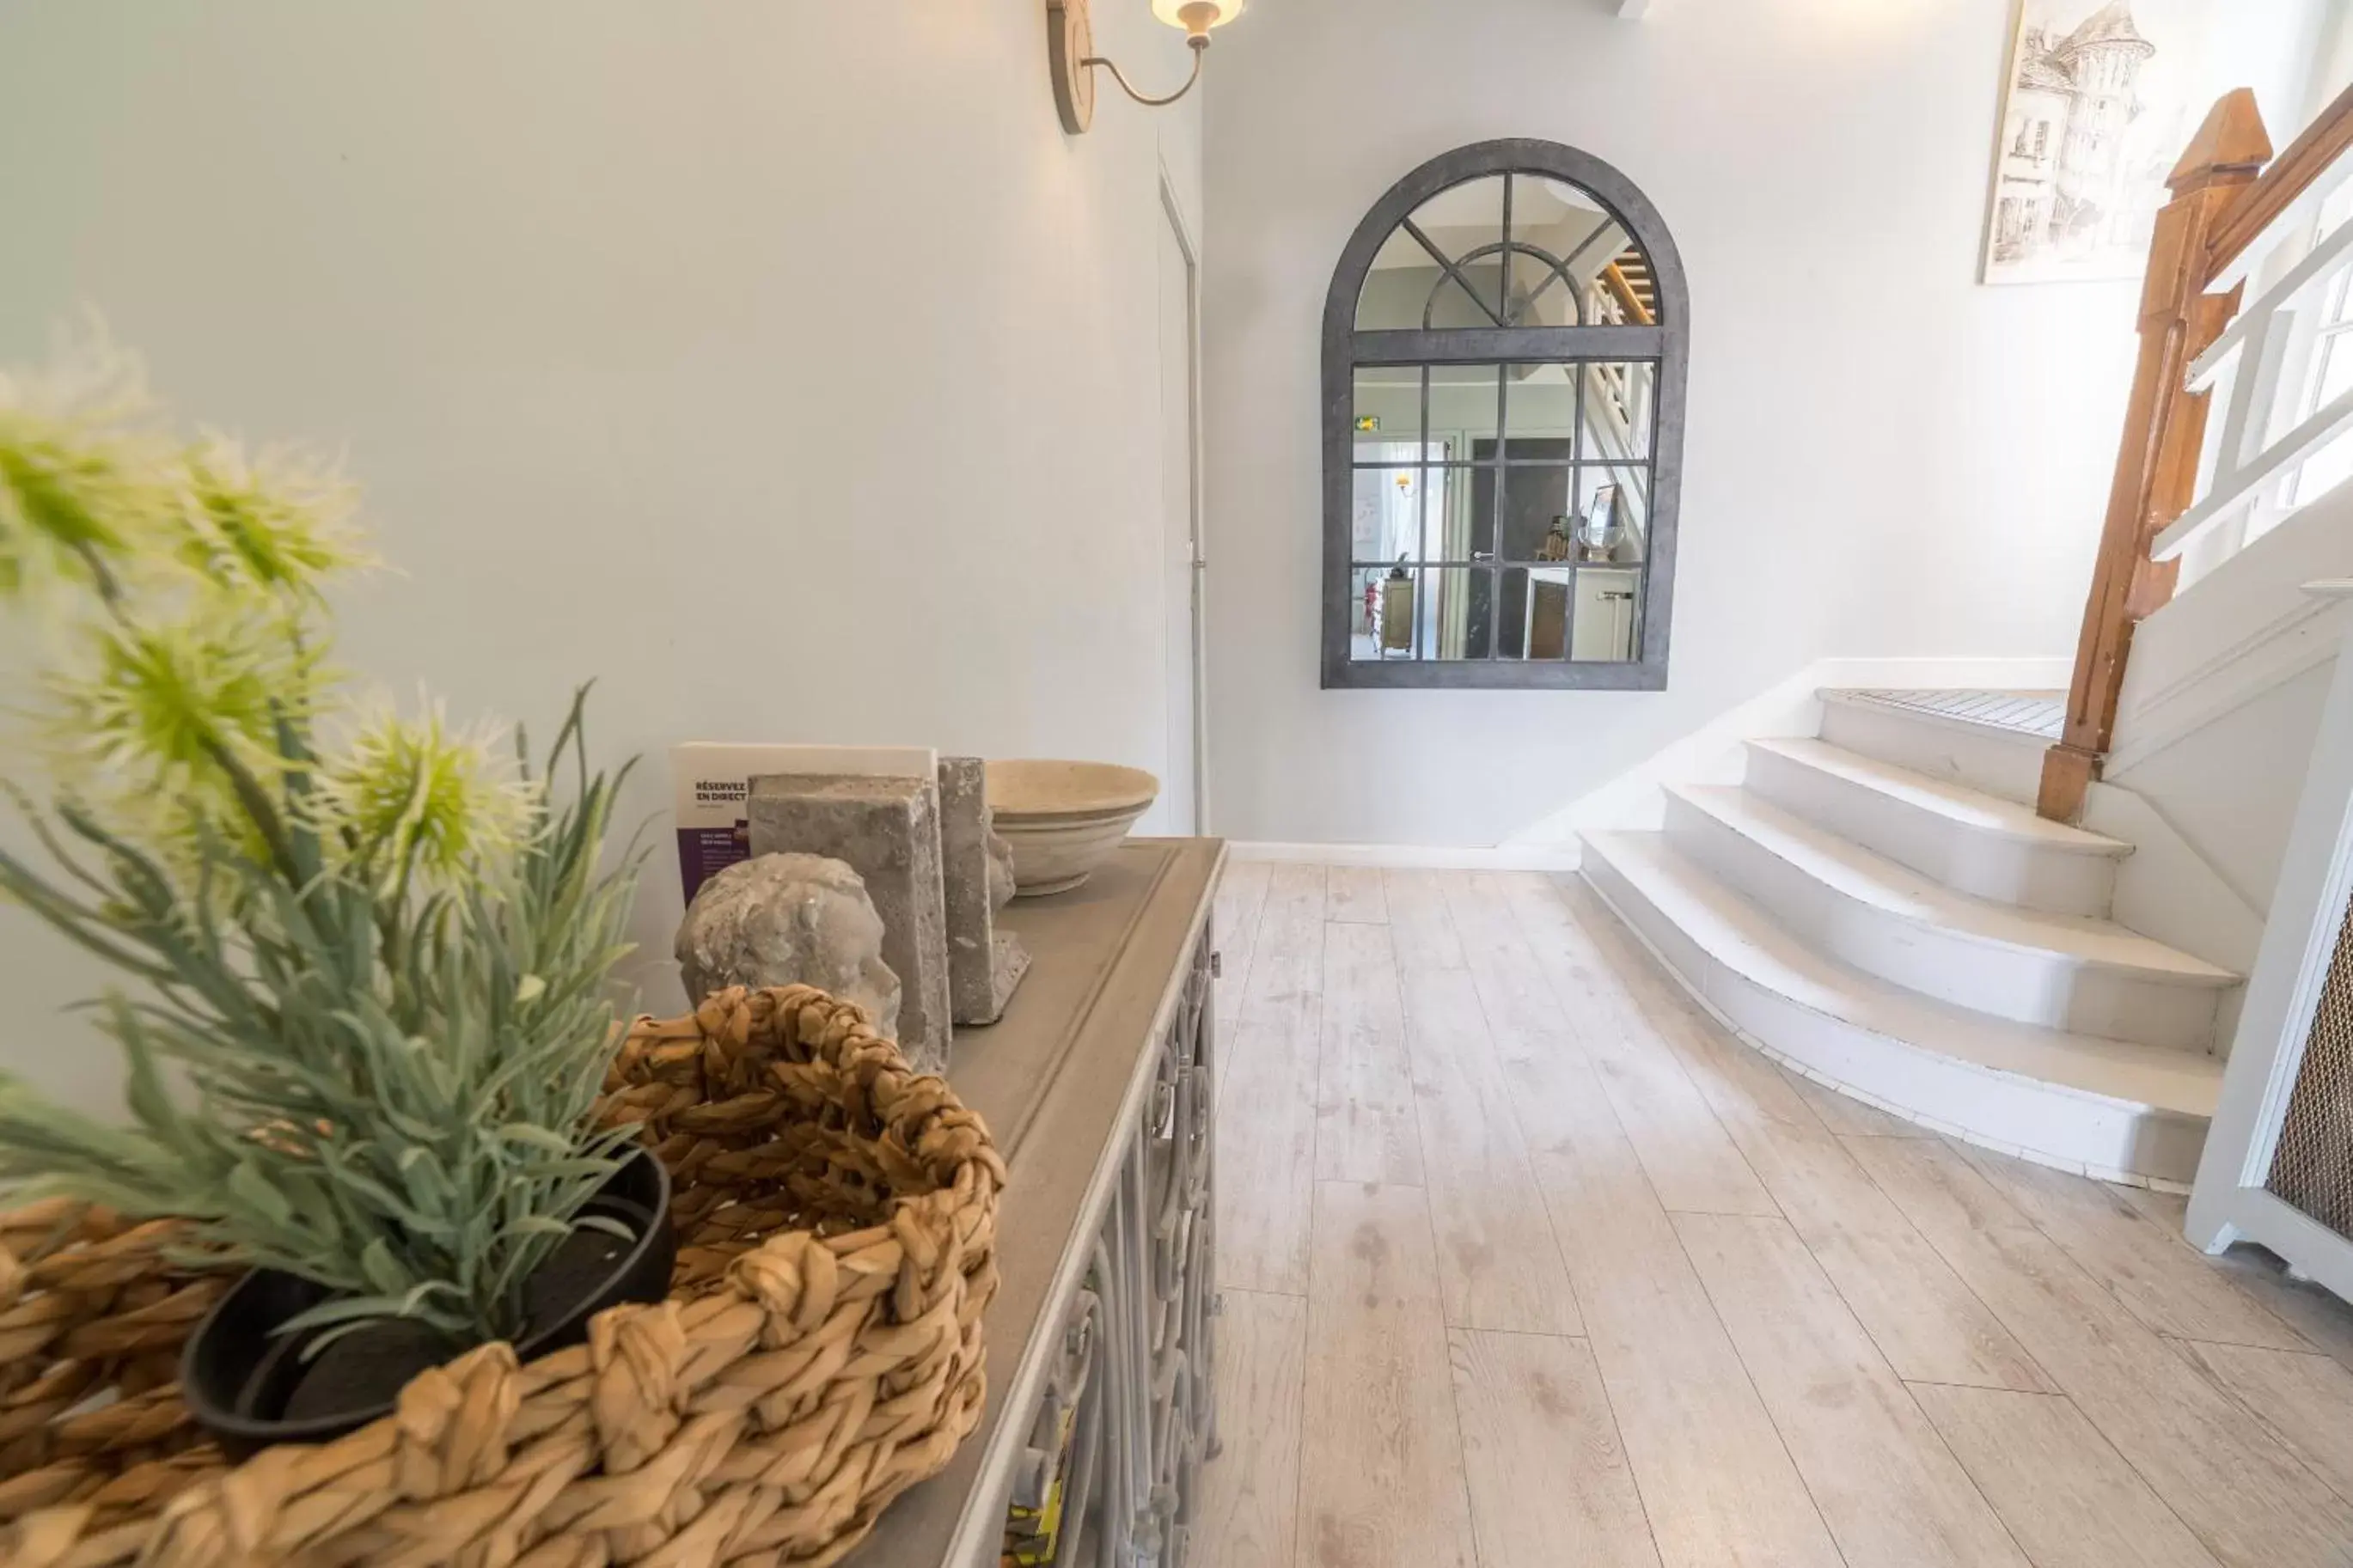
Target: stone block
984	963
888	830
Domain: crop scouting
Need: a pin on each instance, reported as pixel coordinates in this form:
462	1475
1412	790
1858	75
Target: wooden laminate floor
1528	1263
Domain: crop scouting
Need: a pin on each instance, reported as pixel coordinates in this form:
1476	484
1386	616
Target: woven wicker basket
819	1353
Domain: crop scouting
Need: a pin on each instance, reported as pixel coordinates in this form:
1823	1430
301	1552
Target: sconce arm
1200	44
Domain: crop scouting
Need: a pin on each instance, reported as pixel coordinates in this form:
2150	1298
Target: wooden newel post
2157	466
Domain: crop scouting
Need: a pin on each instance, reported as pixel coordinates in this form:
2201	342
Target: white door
1180	792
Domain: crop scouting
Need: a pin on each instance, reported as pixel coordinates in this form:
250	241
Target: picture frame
2099	97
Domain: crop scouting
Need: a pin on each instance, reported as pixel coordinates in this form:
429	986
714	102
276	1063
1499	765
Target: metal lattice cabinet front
1135	1379
2312	1167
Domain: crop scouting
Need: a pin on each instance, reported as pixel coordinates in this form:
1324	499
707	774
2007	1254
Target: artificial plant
370	954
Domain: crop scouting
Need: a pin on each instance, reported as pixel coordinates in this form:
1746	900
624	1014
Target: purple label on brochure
704	852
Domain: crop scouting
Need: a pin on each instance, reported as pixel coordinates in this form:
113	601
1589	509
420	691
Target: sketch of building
2079	172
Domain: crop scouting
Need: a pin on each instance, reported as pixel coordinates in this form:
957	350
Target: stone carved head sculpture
789	920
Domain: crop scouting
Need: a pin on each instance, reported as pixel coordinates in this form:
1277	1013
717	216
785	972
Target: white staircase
1882	909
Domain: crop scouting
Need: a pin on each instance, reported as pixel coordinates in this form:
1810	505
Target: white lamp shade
1173	11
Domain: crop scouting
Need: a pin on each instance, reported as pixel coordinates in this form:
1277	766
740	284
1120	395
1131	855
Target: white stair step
2062	971
2110	1110
1998	759
1970	841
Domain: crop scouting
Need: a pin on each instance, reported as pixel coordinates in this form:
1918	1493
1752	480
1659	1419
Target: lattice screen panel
2314	1167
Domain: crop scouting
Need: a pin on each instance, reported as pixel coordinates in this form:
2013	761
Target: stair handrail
2228	193
1614	279
2281	185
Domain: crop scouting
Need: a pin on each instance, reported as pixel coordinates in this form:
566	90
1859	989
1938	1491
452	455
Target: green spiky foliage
369	958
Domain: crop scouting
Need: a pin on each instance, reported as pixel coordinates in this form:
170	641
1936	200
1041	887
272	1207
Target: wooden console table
1098	1084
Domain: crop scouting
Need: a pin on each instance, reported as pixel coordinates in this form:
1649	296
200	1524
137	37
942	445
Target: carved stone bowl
1062	818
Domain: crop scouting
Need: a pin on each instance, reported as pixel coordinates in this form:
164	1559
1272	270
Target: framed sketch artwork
2097	106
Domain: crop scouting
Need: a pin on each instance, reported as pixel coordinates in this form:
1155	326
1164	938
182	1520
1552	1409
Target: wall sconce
1070	48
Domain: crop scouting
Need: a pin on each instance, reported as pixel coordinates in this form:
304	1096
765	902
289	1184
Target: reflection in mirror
1462	515
1620	407
1412	284
1458	597
1432	613
1465	409
1600	266
1387	525
1397	290
1534	624
1384	622
1611	525
1555	213
1450	303
1566	611
1541	407
1605	615
1387	403
1398	287
1533	296
1545	614
1613	416
1567	262
1623	294
1462	218
1534	505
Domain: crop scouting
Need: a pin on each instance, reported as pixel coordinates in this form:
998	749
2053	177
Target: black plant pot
251	1387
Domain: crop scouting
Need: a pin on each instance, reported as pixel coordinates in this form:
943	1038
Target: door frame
1173	207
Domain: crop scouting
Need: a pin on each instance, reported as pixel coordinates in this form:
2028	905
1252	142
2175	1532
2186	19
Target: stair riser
2029	987
1968	860
2001	765
2003	1111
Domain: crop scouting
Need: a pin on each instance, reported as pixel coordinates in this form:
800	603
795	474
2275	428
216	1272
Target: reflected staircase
1628	278
1620	404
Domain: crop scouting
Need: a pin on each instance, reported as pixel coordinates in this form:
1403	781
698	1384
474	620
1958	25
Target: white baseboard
1416	856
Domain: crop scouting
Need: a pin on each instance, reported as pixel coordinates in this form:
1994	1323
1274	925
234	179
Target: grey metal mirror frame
1346	347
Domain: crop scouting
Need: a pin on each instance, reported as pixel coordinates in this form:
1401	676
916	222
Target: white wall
783	366
1886	461
2332	57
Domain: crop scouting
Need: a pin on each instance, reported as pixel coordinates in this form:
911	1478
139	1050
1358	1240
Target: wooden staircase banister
2281	183
2227	190
1624	292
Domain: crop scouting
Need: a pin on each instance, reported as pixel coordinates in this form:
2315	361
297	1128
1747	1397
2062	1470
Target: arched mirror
1504	356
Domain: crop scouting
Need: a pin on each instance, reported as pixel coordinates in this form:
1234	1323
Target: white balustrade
2264	373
